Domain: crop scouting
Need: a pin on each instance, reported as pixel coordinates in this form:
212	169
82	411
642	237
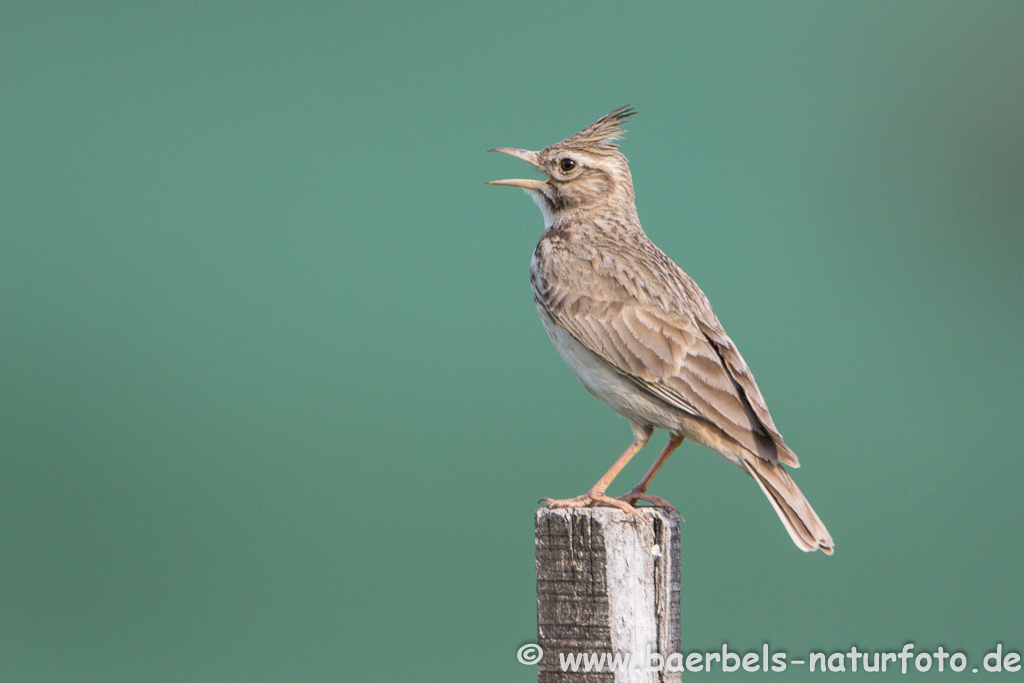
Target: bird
640	335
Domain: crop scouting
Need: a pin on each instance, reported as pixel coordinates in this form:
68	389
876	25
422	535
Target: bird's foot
594	499
633	496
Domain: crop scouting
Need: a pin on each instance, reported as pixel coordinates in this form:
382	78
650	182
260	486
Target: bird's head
584	171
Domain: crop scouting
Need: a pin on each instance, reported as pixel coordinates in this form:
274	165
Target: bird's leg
639	491
596	496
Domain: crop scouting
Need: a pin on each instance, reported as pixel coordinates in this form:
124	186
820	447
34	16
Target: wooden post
606	586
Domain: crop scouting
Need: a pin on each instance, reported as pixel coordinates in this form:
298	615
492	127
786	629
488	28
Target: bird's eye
566	164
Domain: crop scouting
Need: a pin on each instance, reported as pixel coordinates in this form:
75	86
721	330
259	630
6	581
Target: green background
274	400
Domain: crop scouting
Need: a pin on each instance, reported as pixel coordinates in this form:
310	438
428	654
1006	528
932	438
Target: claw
633	496
589	500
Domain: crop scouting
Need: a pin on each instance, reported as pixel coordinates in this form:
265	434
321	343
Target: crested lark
638	332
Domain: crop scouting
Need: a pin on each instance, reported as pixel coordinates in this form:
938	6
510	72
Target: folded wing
690	364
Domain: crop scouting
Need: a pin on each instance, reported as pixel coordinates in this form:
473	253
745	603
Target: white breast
606	384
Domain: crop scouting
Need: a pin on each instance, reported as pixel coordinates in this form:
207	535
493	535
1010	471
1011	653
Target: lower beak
525	155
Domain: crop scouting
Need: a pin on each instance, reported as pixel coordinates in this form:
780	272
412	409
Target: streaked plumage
639	333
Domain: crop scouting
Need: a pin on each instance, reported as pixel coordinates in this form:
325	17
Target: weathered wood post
605	586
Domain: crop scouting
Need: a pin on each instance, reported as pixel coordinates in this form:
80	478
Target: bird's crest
600	135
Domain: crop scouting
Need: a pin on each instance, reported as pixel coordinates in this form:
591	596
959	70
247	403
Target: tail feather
797	515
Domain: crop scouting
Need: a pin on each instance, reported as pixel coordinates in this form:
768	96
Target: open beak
525	155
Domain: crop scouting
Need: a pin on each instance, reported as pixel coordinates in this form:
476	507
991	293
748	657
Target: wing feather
679	359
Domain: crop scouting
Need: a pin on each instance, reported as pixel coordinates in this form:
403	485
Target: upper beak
525	155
